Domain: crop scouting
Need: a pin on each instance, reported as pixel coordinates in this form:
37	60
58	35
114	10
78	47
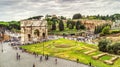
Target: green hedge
114	31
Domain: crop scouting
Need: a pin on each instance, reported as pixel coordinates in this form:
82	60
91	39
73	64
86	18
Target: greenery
100	17
114	31
61	25
77	16
78	25
103	45
35	17
56	24
106	30
70	50
107	46
98	29
11	25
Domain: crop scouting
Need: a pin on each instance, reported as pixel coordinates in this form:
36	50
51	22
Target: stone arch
43	35
36	32
29	37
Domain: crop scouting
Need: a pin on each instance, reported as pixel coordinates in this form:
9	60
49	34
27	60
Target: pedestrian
45	57
2	50
40	58
90	63
33	65
77	60
19	57
56	61
37	54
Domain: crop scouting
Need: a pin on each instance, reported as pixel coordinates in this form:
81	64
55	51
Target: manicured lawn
70	50
106	57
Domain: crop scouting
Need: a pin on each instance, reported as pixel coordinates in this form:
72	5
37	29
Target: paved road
8	59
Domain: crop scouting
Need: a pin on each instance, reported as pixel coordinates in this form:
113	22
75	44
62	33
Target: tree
61	25
72	24
106	30
63	18
78	24
54	26
68	22
77	16
54	21
82	26
35	17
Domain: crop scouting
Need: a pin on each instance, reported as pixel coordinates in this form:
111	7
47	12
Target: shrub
103	45
106	30
114	31
116	48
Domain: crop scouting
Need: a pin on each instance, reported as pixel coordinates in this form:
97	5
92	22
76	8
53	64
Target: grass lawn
106	57
71	50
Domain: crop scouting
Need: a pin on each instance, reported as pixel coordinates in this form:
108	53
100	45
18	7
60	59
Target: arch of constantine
33	30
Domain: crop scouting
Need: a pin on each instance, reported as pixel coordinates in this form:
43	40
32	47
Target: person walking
77	60
40	58
19	57
56	61
33	65
2	50
90	63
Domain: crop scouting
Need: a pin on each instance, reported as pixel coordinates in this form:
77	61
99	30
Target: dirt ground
6	37
113	37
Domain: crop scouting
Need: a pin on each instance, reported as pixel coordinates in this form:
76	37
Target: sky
22	9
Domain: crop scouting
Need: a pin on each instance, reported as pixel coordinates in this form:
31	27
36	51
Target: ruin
33	30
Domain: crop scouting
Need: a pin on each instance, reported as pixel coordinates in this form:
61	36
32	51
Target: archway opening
43	35
29	37
36	32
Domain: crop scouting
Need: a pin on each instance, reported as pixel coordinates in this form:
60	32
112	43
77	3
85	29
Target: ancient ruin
33	30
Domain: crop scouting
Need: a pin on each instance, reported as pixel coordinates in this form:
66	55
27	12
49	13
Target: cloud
21	9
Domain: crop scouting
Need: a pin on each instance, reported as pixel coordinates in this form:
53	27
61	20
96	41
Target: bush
103	45
106	30
106	46
114	31
116	48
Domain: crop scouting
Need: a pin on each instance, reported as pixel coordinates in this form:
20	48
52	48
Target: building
33	30
116	24
91	24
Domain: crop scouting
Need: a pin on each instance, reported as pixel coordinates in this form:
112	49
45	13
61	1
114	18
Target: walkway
8	59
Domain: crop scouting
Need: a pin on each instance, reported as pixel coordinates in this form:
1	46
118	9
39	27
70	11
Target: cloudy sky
22	9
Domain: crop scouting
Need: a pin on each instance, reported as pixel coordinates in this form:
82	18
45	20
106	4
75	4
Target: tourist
56	61
45	57
2	50
40	58
90	63
19	57
33	65
36	54
77	60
